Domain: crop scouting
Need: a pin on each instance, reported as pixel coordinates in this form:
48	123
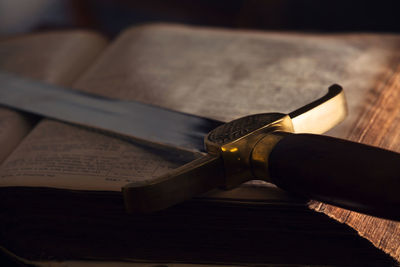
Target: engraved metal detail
240	127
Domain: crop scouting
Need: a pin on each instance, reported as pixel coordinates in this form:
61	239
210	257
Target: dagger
271	147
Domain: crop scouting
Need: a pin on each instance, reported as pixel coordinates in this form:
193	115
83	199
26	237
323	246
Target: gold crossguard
238	151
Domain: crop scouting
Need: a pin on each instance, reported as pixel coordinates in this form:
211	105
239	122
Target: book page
220	74
224	74
64	156
53	57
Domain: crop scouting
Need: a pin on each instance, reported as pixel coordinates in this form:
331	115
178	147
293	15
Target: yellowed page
224	74
53	57
65	156
216	73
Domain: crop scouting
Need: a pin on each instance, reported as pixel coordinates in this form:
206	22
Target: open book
60	184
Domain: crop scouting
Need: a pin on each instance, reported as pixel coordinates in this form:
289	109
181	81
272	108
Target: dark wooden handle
343	173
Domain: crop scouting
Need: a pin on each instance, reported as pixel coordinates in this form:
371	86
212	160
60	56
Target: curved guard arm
322	114
180	184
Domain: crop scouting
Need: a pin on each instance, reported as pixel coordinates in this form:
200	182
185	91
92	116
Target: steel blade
128	118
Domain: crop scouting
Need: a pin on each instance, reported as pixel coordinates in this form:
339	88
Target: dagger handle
343	173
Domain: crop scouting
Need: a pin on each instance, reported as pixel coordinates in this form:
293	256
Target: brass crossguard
238	151
279	148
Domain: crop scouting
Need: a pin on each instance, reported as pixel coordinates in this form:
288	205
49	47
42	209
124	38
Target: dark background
110	17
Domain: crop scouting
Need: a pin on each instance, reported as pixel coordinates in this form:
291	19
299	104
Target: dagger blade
132	119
